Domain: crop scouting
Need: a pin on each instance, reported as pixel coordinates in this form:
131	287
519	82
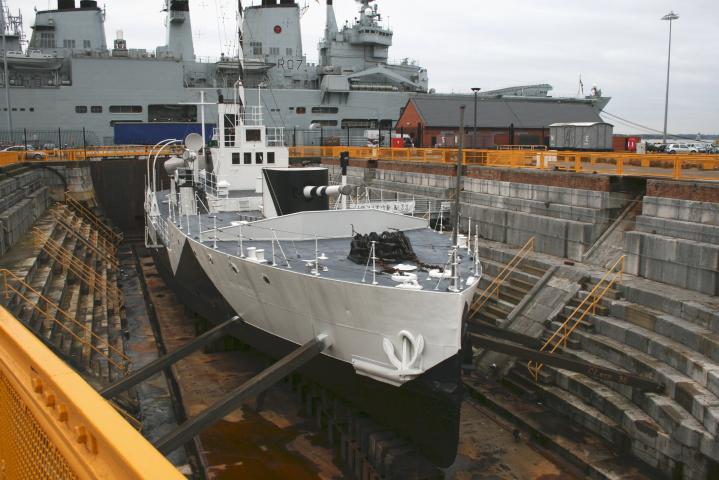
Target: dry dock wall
676	238
27	190
565	212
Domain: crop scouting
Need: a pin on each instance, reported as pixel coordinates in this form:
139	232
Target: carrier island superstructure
69	75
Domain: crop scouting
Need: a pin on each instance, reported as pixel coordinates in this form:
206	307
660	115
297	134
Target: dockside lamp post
671	16
474	133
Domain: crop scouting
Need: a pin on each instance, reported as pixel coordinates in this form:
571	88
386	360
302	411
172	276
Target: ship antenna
455	219
3	27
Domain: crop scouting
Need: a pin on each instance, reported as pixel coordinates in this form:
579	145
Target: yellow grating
25	450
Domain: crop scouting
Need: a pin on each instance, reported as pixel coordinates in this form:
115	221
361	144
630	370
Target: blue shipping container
152	133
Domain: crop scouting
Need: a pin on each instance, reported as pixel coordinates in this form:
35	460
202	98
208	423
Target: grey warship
69	76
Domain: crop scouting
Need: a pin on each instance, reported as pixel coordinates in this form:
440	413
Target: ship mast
6	76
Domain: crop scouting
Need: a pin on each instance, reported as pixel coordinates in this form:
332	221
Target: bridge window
325	123
270	157
86	44
81	109
96	109
253	135
325	109
47	40
125	109
68	43
256	48
259	158
235	158
288	52
230	124
359	123
275	51
300	110
248	158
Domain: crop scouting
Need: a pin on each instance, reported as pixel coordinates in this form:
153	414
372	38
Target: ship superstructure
240	228
72	76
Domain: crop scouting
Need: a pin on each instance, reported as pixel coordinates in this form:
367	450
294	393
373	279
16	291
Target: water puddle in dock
257	448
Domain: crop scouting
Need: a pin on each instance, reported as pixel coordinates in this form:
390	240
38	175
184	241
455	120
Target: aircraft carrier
64	79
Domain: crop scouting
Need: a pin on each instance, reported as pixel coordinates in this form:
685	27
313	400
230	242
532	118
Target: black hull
425	410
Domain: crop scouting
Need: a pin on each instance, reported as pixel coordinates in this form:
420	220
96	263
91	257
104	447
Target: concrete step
507	291
653	437
697	402
528	265
696	337
596	457
689	362
492	268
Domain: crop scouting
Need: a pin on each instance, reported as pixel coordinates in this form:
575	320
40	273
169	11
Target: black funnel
88	4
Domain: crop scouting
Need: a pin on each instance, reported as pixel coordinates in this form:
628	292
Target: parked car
31	154
682	148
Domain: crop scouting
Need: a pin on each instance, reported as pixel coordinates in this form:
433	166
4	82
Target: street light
474	135
670	17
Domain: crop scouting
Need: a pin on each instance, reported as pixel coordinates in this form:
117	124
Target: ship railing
160	225
54	422
588	306
252	116
275	136
208	182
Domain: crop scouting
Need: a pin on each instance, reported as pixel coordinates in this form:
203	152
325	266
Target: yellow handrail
561	335
676	166
54	425
107	232
83	271
498	281
107	256
68	214
8	288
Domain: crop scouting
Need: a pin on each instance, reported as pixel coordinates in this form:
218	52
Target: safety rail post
124	364
498	281
677	171
561	336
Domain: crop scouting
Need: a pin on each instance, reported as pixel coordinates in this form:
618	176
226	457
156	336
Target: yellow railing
106	252
494	287
81	154
14	285
54	425
560	337
63	211
87	274
694	166
94	220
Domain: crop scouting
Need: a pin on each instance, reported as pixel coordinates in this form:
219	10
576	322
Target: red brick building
433	120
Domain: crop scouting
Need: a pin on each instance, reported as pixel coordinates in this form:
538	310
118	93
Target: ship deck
432	249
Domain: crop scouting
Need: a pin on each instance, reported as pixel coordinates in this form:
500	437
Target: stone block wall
676	241
559	209
27	191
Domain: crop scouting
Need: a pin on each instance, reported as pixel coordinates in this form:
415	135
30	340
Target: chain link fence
48	139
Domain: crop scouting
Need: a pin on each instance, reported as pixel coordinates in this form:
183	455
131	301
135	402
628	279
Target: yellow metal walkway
54	425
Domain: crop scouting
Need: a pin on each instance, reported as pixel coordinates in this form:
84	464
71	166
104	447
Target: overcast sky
619	45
